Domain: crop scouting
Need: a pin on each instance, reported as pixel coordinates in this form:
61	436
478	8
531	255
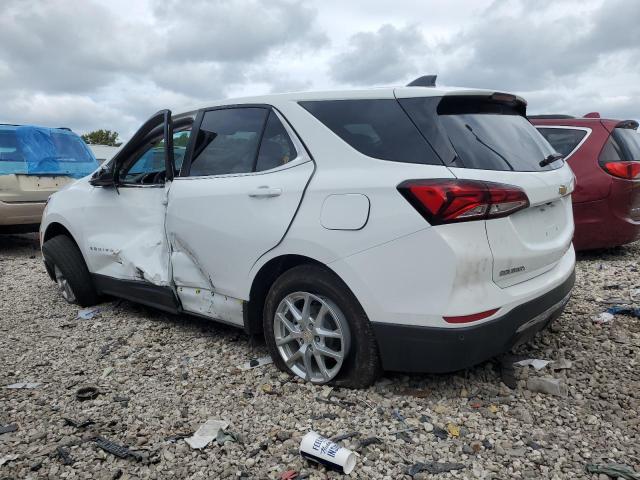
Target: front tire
64	260
316	329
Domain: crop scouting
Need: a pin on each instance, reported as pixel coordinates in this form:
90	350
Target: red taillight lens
450	200
628	170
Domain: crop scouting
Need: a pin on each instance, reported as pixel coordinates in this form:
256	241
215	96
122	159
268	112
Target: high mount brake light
442	201
628	170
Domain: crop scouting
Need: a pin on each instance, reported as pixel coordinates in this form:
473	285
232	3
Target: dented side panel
125	235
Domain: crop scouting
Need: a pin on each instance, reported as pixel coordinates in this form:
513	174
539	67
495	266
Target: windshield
43	151
497	142
629	142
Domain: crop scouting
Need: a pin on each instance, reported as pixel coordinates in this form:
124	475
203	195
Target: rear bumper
411	348
21	213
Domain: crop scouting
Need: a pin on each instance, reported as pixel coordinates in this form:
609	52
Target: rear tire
64	260
334	308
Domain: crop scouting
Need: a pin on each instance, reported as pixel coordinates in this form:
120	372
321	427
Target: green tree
102	137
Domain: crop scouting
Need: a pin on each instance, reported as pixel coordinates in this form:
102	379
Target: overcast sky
104	64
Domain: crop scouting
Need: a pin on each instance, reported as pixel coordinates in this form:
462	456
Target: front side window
563	140
376	128
228	141
150	167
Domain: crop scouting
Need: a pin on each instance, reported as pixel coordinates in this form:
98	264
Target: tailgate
531	241
30	188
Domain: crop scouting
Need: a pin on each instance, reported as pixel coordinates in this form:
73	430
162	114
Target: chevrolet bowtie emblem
562	190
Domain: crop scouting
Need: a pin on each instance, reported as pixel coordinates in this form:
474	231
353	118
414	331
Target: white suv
413	229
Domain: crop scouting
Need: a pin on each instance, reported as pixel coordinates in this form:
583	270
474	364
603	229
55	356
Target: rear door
234	202
488	138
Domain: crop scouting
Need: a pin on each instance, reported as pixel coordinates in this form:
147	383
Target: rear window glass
628	141
484	134
563	140
376	128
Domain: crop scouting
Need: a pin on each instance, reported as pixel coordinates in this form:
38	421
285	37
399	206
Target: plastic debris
8	428
365	442
288	475
120	451
64	455
87	393
22	385
454	430
206	433
88	313
223	437
548	385
256	362
620	310
434	467
106	372
8	458
604	317
614	470
78	423
534	362
321	450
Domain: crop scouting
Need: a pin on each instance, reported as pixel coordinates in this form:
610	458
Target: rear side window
376	128
627	141
563	140
484	134
276	148
228	141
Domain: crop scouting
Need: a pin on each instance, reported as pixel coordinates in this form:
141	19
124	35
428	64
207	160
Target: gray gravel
161	377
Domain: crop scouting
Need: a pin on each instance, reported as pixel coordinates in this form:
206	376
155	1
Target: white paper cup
321	450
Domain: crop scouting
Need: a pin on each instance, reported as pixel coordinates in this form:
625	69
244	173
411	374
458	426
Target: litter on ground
534	362
206	433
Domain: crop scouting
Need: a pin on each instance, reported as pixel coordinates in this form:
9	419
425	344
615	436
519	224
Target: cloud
384	56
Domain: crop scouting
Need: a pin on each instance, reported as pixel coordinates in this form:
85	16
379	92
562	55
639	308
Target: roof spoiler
630	124
592	115
551	116
424	81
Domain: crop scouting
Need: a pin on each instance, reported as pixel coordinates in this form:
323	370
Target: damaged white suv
414	229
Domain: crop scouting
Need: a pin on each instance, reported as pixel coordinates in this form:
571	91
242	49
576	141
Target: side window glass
563	140
149	168
276	148
228	141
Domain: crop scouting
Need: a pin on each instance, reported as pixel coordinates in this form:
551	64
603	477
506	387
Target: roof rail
551	116
424	81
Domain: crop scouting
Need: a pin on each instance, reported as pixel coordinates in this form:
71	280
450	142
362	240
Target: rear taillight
442	201
628	170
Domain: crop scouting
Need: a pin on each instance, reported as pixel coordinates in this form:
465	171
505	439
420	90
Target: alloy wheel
312	336
63	285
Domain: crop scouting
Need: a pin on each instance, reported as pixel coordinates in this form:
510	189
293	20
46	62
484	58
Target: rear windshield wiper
551	158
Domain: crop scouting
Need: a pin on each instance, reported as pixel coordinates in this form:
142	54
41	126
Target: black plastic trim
146	293
411	348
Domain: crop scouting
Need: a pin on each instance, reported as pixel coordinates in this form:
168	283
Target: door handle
265	192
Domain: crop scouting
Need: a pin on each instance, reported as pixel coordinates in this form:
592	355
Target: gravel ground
160	377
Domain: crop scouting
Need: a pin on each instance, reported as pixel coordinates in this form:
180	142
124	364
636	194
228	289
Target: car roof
361	94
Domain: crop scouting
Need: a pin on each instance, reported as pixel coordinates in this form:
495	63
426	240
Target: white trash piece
206	433
534	362
257	362
321	450
604	317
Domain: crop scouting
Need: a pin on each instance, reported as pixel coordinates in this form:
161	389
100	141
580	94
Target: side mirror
103	177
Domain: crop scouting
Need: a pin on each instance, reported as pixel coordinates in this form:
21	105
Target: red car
605	157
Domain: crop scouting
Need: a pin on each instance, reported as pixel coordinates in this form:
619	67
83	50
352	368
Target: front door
125	236
233	203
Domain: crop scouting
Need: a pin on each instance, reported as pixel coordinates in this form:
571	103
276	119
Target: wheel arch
262	282
55	229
